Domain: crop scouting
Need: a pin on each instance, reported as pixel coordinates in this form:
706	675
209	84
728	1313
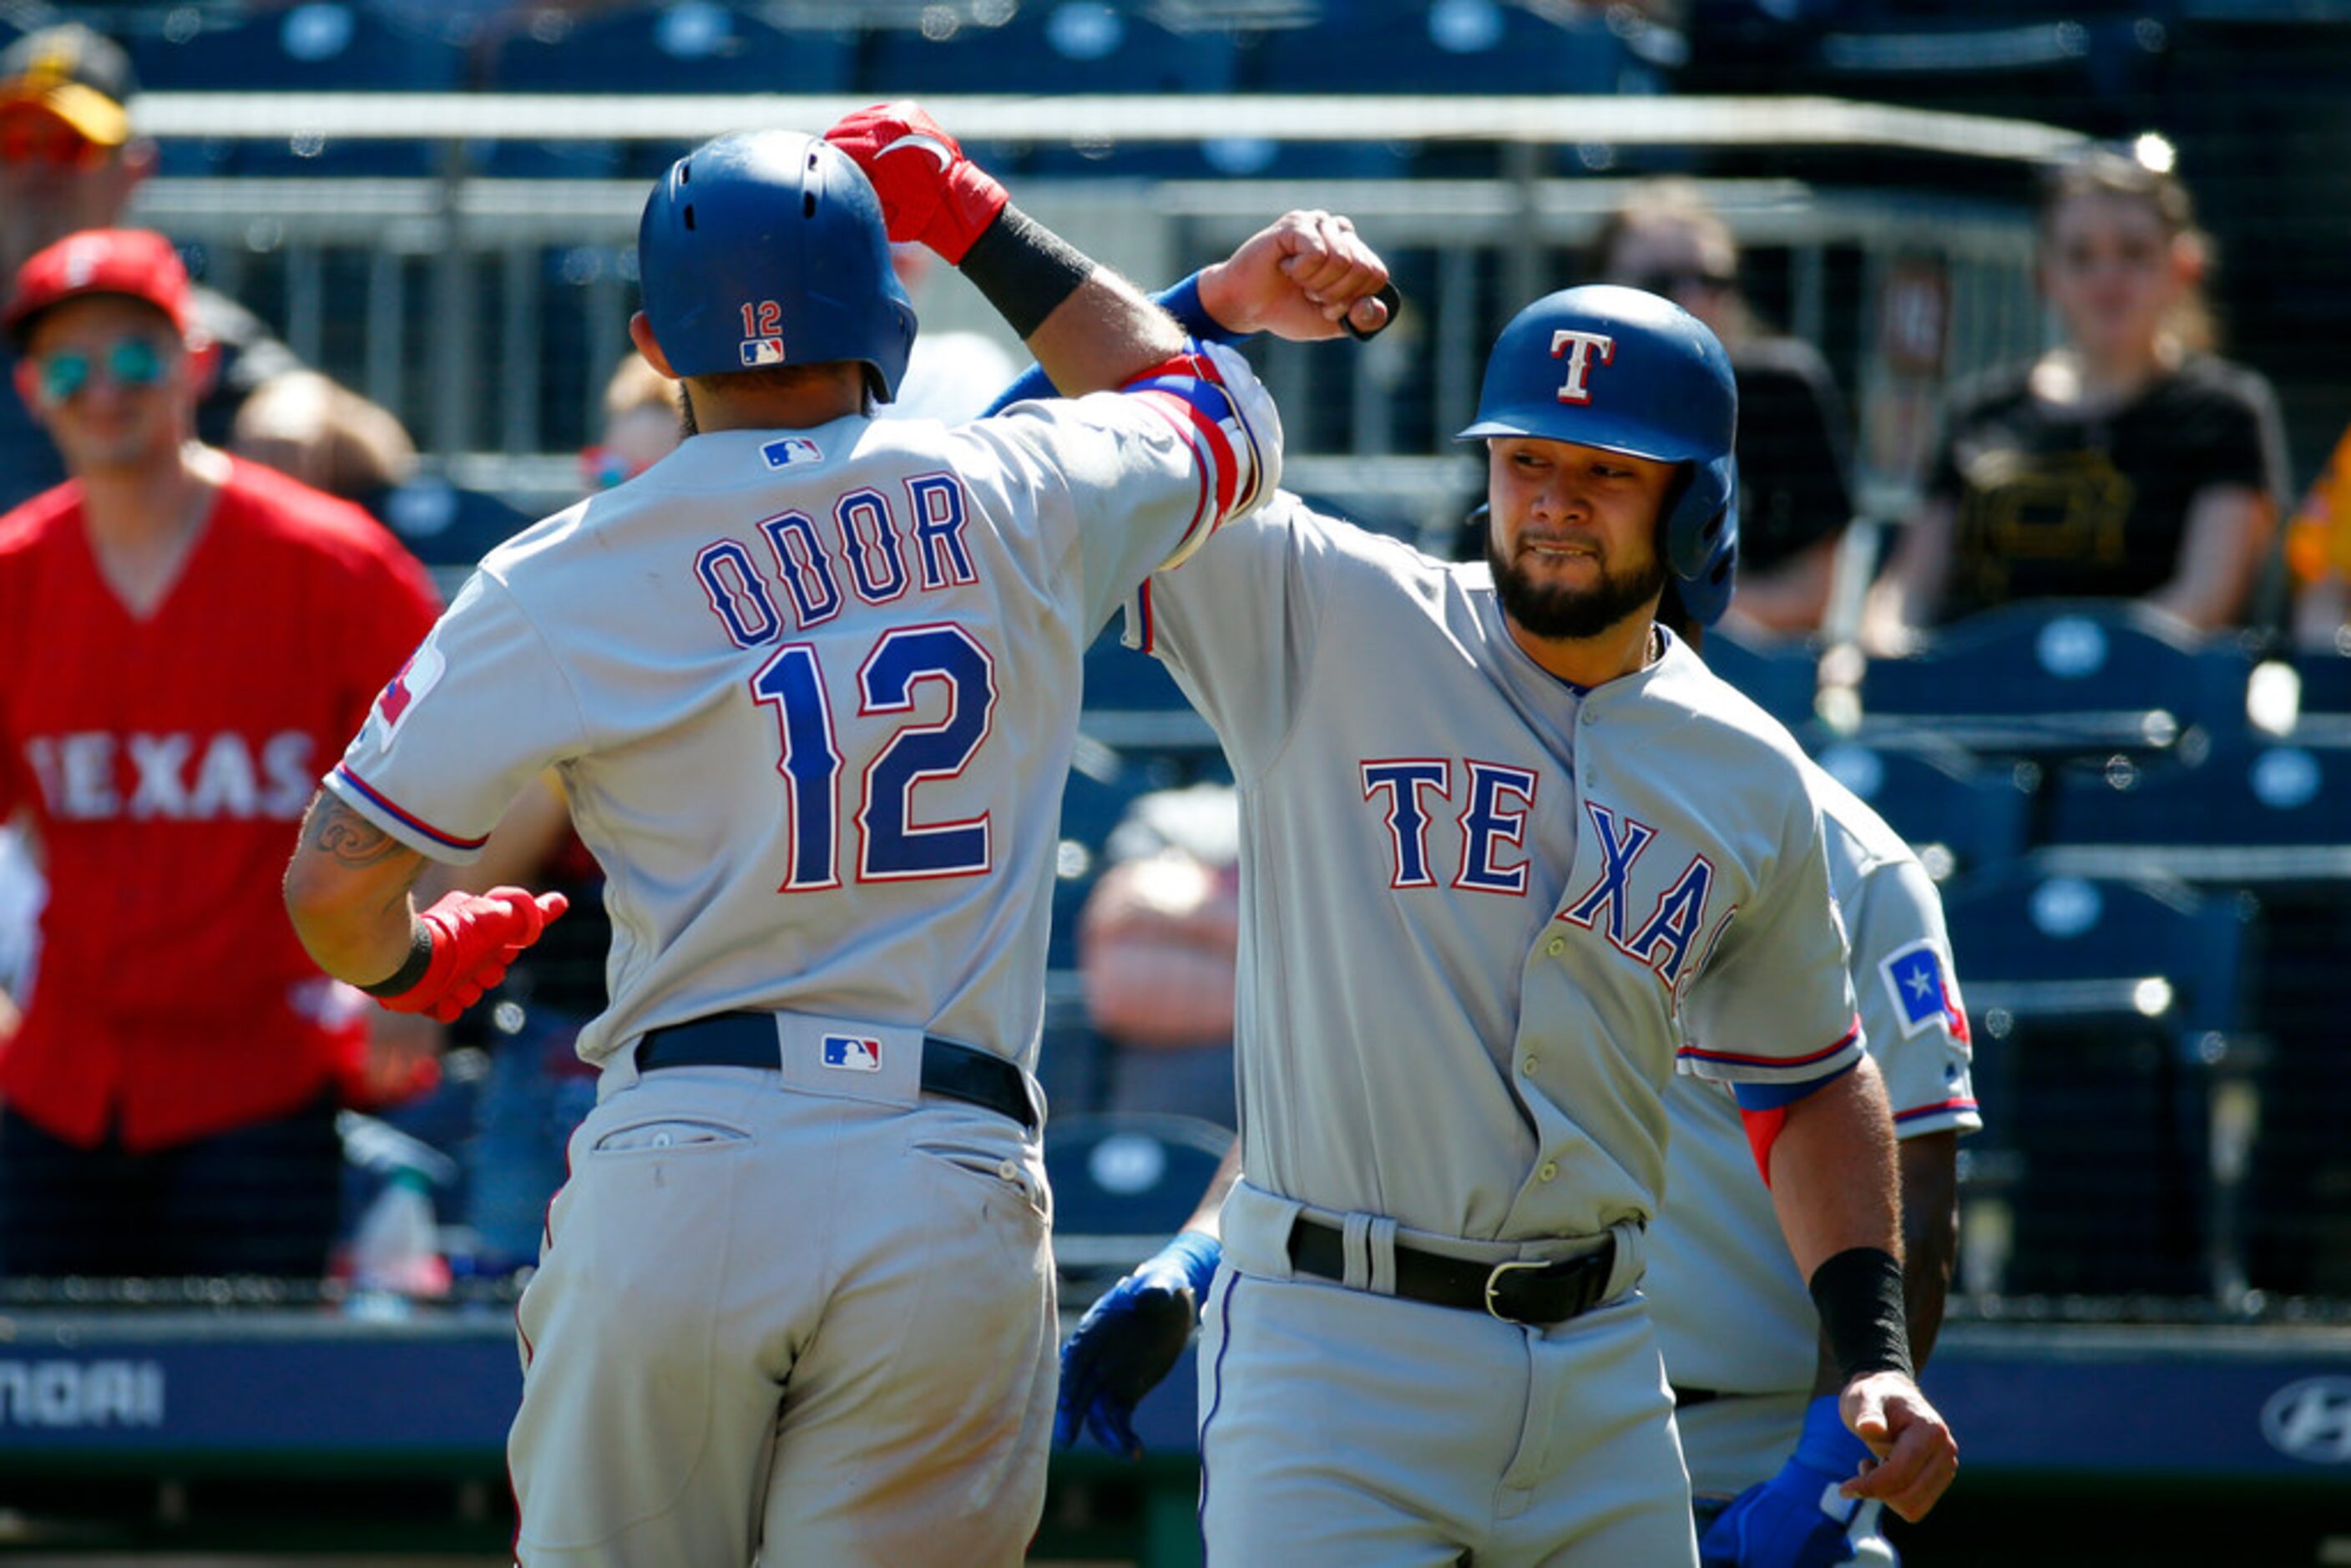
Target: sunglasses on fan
31	138
136	361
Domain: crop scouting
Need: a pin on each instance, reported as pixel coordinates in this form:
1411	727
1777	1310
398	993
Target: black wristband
411	969
1858	1294
1024	269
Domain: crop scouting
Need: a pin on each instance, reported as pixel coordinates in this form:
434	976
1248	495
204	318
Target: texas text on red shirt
164	761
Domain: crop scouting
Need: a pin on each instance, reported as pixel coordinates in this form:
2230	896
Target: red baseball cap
137	263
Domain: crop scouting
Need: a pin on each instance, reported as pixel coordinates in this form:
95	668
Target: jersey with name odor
812	697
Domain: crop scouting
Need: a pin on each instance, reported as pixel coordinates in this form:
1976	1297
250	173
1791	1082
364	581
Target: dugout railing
485	310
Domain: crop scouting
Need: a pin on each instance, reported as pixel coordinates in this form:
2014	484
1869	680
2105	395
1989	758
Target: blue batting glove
1797	1519
1127	1341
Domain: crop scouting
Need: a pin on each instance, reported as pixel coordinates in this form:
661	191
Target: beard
1549	610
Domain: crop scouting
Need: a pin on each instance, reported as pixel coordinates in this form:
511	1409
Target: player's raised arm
1087	325
1308	276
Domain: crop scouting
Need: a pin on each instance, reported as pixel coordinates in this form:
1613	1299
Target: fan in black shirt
2128	463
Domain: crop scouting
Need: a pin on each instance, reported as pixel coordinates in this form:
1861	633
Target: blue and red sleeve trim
1962	1106
408	819
1775	1063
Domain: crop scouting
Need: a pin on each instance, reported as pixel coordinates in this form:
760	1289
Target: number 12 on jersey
890	846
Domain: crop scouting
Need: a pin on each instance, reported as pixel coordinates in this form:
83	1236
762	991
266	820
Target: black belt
1515	1292
1691	1399
748	1040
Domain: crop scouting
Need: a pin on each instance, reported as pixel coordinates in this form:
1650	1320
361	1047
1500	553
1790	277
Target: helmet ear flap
1701	515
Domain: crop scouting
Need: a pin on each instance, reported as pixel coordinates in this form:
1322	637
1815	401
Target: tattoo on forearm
349	839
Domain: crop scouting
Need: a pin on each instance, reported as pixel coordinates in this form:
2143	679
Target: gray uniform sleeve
480	708
1147	474
1236	623
1773	1003
1911	1009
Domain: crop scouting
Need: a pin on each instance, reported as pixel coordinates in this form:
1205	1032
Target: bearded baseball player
1509	852
1755	1399
811	683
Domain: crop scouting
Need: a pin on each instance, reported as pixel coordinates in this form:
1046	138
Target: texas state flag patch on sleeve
419	675
1921	988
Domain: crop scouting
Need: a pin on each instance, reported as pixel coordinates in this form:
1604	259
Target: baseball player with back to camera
1754	1390
812	683
1507	847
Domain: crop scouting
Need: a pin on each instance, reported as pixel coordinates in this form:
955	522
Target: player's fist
1913	1458
1306	275
930	192
475	939
1800	1518
1127	1341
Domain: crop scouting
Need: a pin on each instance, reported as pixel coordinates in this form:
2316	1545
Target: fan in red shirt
186	642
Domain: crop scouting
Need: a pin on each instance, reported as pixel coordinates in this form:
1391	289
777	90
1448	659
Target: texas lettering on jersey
1667	937
1665	933
96	775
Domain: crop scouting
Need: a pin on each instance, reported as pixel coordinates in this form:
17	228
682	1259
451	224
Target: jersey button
1549	1171
1527	1067
1557	945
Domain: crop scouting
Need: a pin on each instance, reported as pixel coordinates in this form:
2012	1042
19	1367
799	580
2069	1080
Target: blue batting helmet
767	247
1628	371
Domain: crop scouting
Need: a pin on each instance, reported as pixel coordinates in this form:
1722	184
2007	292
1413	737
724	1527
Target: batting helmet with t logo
767	248
1628	371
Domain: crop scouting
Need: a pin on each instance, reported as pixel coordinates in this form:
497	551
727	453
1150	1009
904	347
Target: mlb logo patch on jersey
853	1052
757	352
1916	979
791	449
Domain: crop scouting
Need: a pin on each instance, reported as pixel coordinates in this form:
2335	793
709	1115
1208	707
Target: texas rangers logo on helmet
1581	350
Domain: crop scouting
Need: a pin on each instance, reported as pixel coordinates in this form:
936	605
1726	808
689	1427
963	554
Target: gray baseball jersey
1732	1314
812	697
1481	910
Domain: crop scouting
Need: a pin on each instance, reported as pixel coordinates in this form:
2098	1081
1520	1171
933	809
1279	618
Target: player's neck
143	520
802	407
1630	645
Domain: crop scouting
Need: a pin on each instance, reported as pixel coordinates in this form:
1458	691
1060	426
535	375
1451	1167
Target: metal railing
487	311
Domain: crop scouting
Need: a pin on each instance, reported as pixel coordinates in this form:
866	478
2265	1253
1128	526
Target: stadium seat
1123	1182
1977	814
1045	47
2269	814
2313	688
687	46
2061	678
320	45
1781	678
1449	45
2100	1009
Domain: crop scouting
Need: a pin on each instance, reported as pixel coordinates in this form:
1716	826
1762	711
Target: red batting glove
475	939
930	192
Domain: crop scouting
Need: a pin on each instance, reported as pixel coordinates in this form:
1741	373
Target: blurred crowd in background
2134	460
